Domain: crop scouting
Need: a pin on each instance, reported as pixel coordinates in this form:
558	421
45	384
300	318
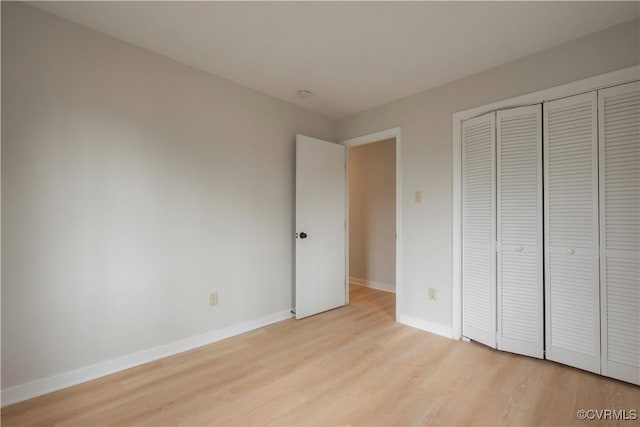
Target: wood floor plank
349	366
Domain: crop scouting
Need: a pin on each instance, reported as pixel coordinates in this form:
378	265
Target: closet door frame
618	77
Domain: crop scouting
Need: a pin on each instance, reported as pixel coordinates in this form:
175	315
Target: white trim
613	78
346	226
372	137
425	325
386	287
36	388
367	139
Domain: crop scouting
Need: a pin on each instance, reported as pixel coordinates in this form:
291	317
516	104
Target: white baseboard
373	285
67	379
425	325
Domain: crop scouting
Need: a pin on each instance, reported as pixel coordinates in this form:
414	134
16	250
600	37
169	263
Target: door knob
571	251
519	249
303	235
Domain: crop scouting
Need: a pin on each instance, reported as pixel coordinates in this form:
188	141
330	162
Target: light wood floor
352	365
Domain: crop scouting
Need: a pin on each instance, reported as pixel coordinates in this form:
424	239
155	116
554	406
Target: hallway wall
372	213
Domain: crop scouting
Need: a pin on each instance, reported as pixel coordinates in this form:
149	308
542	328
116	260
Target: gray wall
372	212
426	155
132	187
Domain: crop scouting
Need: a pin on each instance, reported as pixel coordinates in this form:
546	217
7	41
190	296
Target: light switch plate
213	299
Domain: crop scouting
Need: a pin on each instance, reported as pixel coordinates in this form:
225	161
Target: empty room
320	213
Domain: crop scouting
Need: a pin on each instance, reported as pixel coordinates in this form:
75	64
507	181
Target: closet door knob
519	249
571	251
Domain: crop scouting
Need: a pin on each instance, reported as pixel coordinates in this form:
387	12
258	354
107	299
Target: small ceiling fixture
304	93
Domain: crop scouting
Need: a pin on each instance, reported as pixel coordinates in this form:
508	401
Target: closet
551	230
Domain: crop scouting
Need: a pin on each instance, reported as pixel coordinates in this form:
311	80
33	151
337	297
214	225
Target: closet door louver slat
619	144
478	229
572	297
519	231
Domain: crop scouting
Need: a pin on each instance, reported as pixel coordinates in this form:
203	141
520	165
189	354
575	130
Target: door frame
613	78
369	139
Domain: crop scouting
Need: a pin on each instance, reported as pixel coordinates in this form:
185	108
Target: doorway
373	214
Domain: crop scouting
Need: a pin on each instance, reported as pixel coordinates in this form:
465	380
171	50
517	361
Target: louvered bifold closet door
479	229
619	140
519	227
572	297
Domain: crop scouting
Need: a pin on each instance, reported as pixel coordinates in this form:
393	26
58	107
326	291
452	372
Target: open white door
320	226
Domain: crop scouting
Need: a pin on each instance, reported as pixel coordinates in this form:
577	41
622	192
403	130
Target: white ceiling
351	55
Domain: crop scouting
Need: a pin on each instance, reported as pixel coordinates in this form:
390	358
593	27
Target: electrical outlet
433	295
213	299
